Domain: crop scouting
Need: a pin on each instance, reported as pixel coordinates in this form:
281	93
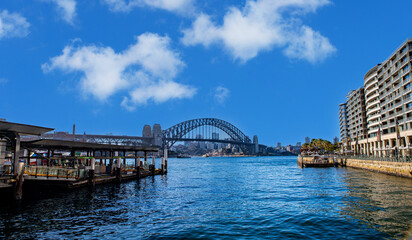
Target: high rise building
256	143
394	79
383	105
307	140
343	122
372	101
356	114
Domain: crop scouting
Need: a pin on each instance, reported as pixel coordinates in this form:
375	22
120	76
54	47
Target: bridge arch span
178	131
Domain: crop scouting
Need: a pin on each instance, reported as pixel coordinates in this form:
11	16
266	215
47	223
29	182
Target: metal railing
399	158
55	172
378	158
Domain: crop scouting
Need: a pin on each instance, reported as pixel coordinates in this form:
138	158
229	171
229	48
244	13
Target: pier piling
18	189
165	158
154	166
145	158
118	170
92	172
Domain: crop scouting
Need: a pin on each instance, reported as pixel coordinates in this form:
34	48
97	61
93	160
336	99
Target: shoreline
394	168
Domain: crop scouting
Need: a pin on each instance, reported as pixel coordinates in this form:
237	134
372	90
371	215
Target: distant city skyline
277	71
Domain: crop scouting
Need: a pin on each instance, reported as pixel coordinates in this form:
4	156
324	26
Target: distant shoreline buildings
376	119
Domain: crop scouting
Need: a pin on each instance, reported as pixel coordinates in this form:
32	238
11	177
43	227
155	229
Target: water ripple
224	198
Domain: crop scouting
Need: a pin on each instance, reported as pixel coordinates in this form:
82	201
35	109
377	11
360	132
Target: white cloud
262	25
146	69
179	6
221	93
309	45
158	92
67	8
13	25
3	81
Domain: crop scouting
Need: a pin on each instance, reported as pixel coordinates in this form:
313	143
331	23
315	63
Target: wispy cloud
158	92
179	6
3	81
13	25
67	9
221	94
146	69
262	25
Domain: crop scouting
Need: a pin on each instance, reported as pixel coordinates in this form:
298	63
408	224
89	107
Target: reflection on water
380	201
224	198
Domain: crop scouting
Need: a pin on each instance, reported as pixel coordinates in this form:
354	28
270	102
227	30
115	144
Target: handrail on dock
56	172
399	158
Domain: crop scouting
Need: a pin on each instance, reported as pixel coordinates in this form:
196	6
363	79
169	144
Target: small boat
183	156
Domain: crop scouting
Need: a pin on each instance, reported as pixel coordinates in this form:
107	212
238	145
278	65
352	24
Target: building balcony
372	86
409	119
373	111
388	125
371	125
373	119
405	61
372	106
371	96
372	131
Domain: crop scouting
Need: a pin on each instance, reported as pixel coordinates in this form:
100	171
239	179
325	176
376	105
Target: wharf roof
75	145
23	128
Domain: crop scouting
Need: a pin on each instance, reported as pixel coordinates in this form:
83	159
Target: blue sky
274	68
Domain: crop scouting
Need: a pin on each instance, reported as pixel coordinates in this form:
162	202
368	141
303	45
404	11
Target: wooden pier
318	162
65	164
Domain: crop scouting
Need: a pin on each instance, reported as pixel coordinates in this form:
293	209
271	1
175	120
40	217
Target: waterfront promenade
397	166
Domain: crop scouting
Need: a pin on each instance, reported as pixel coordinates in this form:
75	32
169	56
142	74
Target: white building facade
387	97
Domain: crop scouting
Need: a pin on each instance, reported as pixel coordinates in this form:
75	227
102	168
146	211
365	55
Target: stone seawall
401	169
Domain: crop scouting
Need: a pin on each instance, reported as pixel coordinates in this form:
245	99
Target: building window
407	77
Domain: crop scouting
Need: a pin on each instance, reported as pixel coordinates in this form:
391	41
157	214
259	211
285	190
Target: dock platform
317	162
67	164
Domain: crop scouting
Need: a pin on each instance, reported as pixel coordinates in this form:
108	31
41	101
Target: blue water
224	198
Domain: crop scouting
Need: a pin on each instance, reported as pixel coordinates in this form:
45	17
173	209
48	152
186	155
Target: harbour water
223	198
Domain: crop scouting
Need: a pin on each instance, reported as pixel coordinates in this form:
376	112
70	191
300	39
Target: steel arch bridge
177	132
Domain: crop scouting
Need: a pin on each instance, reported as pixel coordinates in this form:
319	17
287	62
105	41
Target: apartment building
343	122
394	79
387	102
372	101
356	112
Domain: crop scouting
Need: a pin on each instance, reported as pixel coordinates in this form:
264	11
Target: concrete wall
401	169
